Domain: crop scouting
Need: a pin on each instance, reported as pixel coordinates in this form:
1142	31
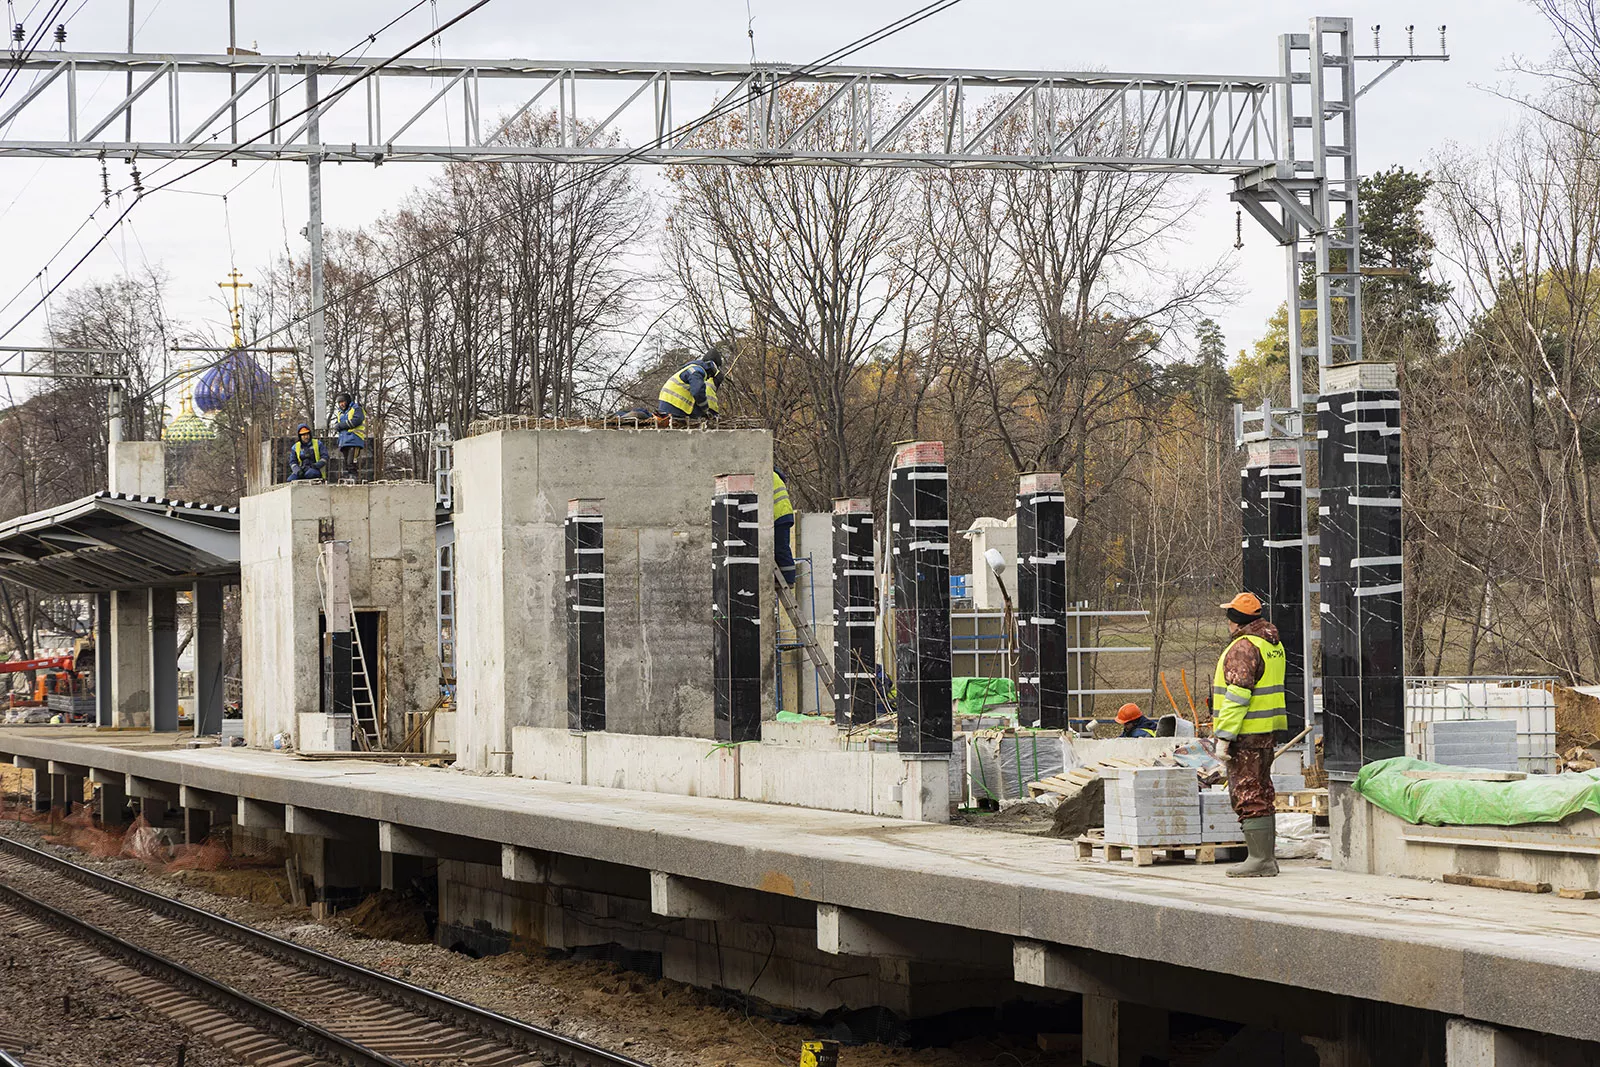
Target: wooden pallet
1146	855
1069	782
1314	801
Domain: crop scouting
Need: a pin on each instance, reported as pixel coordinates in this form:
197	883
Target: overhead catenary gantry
1287	140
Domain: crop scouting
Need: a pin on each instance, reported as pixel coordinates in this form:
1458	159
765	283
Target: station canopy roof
119	541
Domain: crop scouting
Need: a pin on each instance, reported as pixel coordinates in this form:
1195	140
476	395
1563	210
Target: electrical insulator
61	33
1442	48
138	183
17	33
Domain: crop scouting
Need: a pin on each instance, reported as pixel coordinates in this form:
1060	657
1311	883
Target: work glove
1223	751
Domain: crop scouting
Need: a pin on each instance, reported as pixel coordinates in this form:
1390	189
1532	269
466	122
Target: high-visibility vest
300	451
1236	710
780	498
678	394
354	421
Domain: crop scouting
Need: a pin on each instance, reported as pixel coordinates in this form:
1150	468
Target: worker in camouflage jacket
1248	711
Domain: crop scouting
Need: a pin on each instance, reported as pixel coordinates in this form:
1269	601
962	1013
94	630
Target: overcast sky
1414	112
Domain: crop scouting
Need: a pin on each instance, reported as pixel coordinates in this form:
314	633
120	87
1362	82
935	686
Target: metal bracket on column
1262	190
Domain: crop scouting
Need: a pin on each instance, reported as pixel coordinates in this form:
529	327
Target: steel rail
416	998
263	1016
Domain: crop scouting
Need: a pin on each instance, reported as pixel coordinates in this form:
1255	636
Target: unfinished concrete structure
511	492
390	529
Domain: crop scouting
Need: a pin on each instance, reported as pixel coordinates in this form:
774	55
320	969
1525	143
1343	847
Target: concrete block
849	932
925	795
430	844
867	782
551	753
152	789
261	815
316	732
690	898
687	766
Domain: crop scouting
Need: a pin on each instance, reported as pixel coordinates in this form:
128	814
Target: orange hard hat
1128	713
1244	604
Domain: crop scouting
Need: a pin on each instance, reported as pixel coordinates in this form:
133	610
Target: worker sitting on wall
352	426
782	529
1249	709
692	392
306	461
1134	722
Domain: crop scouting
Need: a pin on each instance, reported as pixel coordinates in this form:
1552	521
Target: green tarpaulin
1459	802
972	695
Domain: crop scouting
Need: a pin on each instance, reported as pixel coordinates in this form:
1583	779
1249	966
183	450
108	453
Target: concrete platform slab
1506	959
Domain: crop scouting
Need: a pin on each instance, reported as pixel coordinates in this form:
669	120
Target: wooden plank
1466	776
1499	837
1483	881
1579	894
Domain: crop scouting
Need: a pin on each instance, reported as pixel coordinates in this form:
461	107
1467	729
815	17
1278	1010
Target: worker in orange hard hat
1134	722
1248	709
306	461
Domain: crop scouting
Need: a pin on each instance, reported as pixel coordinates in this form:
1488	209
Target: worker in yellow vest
1247	713
782	529
691	393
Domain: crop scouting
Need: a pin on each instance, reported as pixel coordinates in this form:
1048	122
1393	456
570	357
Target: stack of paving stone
1153	806
1485	744
1218	824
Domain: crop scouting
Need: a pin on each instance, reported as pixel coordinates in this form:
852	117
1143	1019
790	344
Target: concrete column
130	657
163	660
855	613
196	826
736	609
919	524
111	800
207	658
41	789
104	700
1358	423
1271	491
154	810
586	616
1043	637
925	793
1119	1034
66	792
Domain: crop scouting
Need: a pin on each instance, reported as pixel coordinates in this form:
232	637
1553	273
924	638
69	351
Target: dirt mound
259	885
389	917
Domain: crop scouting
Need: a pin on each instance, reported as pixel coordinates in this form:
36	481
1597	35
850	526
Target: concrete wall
1368	840
137	467
511	493
390	529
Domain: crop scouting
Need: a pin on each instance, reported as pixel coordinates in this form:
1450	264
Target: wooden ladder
807	639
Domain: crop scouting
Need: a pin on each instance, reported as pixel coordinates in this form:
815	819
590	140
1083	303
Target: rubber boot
1261	838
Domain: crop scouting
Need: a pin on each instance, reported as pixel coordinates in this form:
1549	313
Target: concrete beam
314	823
690	898
260	815
431	844
101	777
152	789
847	932
73	769
1288	1009
28	763
206	800
519	864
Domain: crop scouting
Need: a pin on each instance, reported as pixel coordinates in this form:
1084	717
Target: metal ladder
361	698
806	638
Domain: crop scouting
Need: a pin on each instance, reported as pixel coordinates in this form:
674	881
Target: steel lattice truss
245	107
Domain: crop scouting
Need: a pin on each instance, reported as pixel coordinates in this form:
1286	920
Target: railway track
302	1007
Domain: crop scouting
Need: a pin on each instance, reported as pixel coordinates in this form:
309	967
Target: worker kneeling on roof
306	461
692	392
1134	722
1248	710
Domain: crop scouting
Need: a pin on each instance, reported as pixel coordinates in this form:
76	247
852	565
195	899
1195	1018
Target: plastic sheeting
972	695
1002	766
1459	802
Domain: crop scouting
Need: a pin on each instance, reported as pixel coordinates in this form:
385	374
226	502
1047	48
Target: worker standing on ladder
306	461
782	529
1248	710
352	426
692	392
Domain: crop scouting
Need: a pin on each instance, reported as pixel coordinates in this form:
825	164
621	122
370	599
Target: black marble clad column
736	608
919	535
1043	678
855	613
1274	555
586	616
1358	430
